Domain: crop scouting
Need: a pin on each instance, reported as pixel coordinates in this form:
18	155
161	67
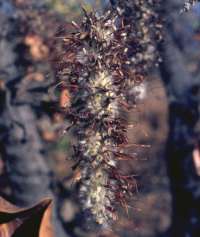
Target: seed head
105	57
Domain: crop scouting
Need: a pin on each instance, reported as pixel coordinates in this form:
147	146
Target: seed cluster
104	59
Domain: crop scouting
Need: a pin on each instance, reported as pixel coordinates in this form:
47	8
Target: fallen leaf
26	222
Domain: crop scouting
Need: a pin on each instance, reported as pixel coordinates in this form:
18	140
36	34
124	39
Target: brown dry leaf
32	222
38	49
46	225
65	99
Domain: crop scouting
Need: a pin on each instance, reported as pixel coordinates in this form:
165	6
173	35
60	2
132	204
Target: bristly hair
103	60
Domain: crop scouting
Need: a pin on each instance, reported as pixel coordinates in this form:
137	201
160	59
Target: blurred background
35	154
